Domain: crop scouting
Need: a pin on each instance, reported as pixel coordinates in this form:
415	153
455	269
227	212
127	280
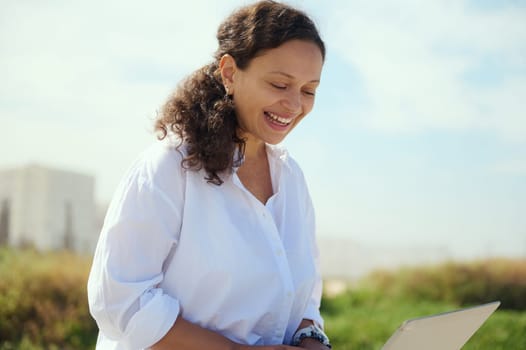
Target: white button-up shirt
173	244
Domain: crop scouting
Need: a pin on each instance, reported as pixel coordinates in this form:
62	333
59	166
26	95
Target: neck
254	148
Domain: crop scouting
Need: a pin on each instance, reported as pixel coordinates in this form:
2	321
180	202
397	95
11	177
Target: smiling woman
202	111
209	242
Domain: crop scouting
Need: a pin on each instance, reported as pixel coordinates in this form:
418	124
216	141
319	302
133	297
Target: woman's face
276	90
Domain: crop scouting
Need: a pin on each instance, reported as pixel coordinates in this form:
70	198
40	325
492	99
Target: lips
276	119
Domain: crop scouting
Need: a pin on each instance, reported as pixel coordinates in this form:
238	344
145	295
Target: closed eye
278	86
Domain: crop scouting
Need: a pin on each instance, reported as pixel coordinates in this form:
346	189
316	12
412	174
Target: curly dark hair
201	113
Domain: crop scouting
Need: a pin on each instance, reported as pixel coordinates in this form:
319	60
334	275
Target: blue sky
418	135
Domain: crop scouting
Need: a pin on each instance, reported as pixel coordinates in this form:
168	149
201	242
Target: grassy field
366	315
43	302
362	319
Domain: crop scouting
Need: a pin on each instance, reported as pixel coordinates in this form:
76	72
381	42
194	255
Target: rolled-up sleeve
140	232
313	307
312	311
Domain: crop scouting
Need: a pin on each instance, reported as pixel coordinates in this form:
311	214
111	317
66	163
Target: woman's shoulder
154	182
163	156
159	165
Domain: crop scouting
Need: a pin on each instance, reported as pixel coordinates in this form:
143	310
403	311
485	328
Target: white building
48	209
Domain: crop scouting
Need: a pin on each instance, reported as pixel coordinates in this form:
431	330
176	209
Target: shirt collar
276	153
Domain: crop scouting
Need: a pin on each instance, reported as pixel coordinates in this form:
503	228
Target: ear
228	68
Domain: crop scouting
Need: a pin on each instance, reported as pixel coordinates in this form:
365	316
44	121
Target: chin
275	140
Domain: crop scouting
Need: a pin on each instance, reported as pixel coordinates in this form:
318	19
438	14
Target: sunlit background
416	148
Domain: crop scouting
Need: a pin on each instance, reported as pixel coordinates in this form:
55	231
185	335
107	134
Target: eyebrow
291	76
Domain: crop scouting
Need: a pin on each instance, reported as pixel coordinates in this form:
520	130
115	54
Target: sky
417	138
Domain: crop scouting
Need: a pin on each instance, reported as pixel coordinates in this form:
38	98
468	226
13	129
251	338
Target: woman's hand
266	347
307	343
312	344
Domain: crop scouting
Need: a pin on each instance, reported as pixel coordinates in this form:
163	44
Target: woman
209	241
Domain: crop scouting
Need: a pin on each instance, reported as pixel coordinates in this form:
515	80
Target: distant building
48	209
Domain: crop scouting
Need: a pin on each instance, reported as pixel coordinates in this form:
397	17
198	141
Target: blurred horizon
417	140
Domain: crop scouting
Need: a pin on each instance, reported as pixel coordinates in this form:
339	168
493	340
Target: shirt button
279	252
289	295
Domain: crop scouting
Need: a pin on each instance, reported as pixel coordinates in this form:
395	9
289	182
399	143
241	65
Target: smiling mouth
277	119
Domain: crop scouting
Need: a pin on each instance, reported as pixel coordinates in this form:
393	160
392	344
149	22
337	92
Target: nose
292	102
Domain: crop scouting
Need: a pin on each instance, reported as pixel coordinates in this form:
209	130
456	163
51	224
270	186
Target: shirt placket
273	238
282	263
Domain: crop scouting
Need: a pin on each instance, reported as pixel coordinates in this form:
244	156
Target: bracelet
310	332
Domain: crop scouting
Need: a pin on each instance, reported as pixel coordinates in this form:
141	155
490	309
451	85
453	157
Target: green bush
460	284
43	302
366	315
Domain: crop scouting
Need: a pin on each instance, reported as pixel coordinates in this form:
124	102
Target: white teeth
279	119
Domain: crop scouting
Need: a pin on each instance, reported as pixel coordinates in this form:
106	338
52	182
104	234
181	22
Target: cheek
307	108
247	110
308	105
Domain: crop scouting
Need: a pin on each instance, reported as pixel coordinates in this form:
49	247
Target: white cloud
413	58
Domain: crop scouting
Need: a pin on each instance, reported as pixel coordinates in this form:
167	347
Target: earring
227	89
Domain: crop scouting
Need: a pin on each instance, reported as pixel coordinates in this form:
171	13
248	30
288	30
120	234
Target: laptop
446	331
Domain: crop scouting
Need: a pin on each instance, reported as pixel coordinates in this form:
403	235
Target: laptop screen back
447	331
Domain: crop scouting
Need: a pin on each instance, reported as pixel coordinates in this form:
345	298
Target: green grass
366	315
361	319
43	302
364	320
369	325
